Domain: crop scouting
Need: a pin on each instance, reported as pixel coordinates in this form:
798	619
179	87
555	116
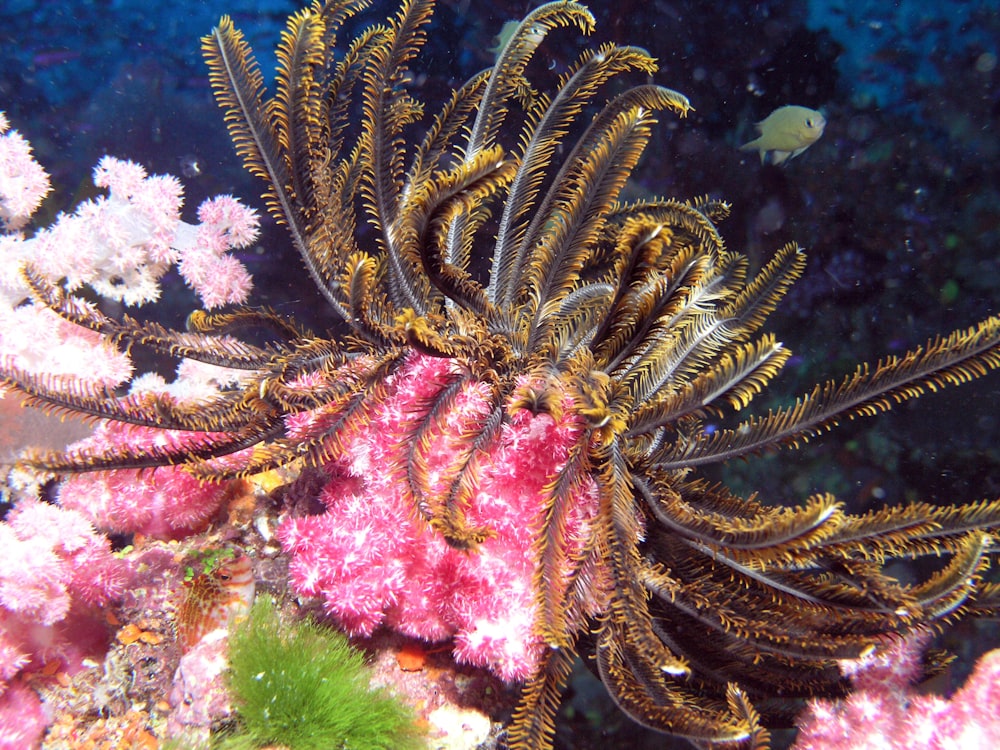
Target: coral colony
501	454
885	711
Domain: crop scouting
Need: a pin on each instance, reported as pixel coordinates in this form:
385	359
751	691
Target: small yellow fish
786	133
501	39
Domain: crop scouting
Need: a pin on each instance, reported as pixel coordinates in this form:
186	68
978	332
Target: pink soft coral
166	502
119	244
373	560
23	183
23	718
52	559
55	574
885	712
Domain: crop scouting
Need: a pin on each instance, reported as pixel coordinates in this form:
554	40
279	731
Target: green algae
302	686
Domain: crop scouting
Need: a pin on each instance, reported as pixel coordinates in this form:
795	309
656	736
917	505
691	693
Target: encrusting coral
507	456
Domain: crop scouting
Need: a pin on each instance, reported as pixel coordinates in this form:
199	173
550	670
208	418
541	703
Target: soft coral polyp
373	560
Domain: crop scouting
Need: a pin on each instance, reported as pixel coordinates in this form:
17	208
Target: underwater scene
384	374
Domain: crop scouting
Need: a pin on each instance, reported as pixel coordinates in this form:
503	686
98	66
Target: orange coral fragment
50	668
412	657
151	638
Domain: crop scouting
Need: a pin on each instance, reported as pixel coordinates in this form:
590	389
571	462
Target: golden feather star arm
648	273
628	608
570	328
680	334
440	499
832	568
335	177
750	308
359	388
706	347
283	328
740	374
510	266
907	531
297	105
223	351
557	566
534	718
436	154
504	80
735	636
662	302
450	518
548	124
453	119
650	700
239	89
74	396
326	116
433	209
207	446
834	611
957	358
951	587
372	316
387	109
775	532
565	249
822	617
693	222
507	76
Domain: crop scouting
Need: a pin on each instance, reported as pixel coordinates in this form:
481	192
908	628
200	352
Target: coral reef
56	577
353	532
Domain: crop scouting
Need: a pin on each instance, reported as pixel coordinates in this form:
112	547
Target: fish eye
809	122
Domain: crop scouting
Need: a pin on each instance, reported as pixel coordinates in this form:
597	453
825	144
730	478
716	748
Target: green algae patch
302	686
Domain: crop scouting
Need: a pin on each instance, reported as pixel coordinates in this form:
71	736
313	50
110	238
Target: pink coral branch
55	572
885	712
165	502
122	244
119	244
23	183
374	561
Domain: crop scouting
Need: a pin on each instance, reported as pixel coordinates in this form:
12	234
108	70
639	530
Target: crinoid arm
954	359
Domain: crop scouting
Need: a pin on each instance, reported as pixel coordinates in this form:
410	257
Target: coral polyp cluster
374	561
